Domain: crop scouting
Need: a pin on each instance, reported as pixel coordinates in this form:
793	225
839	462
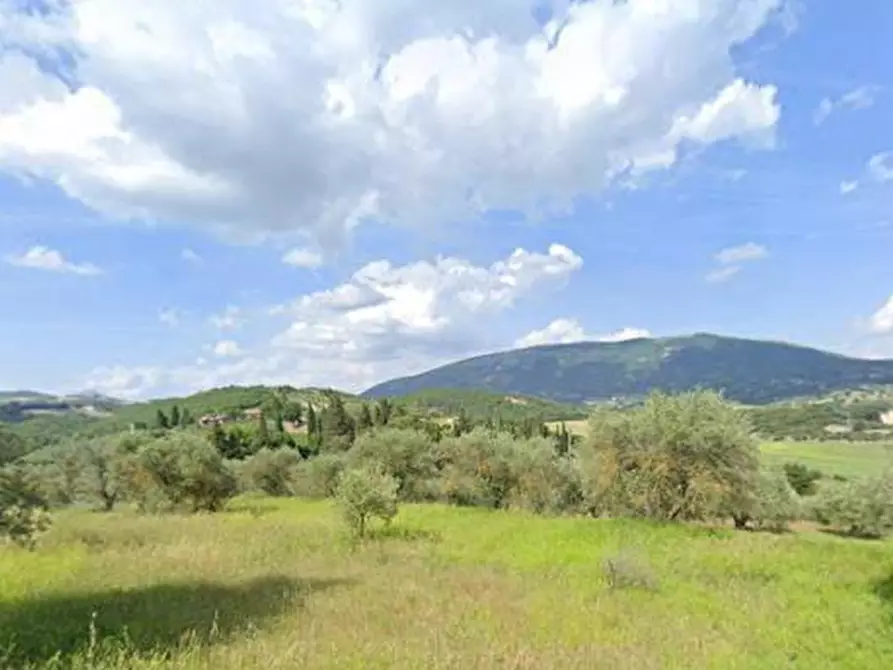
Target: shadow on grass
850	535
405	534
154	619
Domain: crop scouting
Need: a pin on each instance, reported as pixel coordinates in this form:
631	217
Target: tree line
689	457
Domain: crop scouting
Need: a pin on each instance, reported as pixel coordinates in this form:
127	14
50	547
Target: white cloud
566	331
44	258
880	166
882	320
384	321
560	331
230	319
741	254
191	256
170	317
227	349
847	187
859	98
303	258
307	116
731	261
624	335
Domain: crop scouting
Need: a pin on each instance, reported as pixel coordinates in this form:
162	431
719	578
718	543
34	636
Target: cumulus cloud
44	258
230	319
384	321
303	258
847	187
565	331
859	98
305	117
191	256
881	322
731	261
227	349
880	166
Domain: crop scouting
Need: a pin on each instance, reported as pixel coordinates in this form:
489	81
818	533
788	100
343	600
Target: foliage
544	481
271	471
22	509
673	458
12	447
777	503
364	494
862	508
337	427
109	467
406	455
802	478
318	477
188	473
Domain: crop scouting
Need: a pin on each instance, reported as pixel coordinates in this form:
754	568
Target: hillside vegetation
746	371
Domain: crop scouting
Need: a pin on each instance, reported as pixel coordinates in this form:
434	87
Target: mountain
747	371
19	405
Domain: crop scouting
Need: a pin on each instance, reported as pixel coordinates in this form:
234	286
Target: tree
175	416
188	473
312	426
272	471
674	458
12	447
406	455
161	420
337	429
22	509
364	422
366	493
280	424
186	418
108	468
861	508
383	411
293	413
262	438
802	478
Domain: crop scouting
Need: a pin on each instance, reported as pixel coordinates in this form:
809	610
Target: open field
274	584
848	459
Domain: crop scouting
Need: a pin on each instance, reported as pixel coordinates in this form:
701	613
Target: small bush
862	508
366	493
271	472
801	478
626	571
544	482
22	509
777	503
318	477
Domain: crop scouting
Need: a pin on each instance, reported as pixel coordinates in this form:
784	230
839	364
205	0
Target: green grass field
274	584
849	459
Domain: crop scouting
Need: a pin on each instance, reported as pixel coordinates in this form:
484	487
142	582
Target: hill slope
748	371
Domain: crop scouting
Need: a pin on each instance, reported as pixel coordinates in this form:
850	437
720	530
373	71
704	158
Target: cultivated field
274	584
848	459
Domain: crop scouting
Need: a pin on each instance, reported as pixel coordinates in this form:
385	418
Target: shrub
862	508
187	472
626	571
476	469
365	493
544	482
674	458
22	509
271	471
801	478
777	503
318	477
406	455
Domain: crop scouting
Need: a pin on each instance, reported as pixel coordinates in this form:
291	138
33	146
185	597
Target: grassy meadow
275	584
847	459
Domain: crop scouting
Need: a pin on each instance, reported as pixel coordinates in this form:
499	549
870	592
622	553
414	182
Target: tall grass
276	584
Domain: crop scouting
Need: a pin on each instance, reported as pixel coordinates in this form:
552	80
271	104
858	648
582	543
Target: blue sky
336	196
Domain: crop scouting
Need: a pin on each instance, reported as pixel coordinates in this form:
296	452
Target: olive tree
366	493
22	509
407	455
673	458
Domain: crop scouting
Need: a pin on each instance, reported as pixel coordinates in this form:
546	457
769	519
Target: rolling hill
747	371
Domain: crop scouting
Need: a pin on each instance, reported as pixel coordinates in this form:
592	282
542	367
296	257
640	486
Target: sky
334	193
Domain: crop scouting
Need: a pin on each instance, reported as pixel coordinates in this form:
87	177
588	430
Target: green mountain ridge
747	371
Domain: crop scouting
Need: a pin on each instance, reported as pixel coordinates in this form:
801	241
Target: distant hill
748	371
481	405
17	406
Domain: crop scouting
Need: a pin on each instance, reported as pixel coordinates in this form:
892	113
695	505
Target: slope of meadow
274	584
